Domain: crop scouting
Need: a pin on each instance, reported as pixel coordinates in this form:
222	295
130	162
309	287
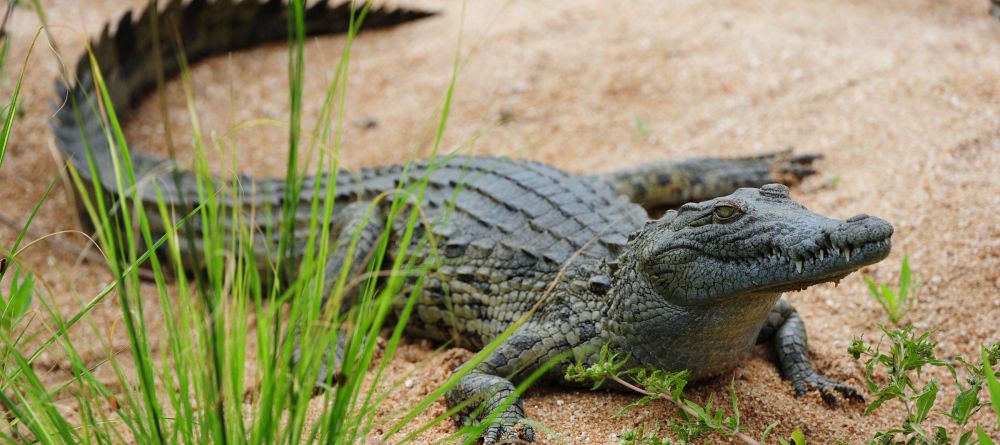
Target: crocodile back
506	231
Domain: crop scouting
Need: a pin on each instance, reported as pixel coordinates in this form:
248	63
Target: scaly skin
573	257
670	184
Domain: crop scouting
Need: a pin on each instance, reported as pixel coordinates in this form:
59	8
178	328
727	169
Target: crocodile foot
508	433
828	388
507	429
790	169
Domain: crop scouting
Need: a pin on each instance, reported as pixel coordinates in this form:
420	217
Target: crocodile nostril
857	218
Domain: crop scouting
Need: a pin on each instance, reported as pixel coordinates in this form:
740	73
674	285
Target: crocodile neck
662	335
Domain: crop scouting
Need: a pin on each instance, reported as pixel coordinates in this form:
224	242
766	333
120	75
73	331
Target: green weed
989	359
695	421
904	361
835	181
641	127
896	304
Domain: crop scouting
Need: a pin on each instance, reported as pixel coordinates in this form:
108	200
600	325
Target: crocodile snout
861	229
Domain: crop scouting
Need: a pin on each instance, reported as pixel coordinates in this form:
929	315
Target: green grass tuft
223	369
641	127
897	304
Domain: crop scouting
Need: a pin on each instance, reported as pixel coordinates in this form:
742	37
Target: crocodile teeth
847	253
836	250
798	266
822	254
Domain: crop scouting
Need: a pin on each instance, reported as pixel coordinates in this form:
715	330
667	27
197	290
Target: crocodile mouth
799	270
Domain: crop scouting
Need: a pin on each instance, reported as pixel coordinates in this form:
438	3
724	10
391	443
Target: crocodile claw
790	170
503	433
827	388
806	159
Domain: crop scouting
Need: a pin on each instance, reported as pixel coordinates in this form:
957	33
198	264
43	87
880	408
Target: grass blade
904	279
8	123
993	386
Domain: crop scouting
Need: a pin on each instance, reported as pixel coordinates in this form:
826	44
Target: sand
901	97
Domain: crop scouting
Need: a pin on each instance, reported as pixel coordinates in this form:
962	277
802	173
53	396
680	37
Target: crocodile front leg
484	393
358	221
492	383
787	333
357	229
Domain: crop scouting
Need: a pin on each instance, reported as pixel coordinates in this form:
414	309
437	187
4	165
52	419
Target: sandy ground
902	97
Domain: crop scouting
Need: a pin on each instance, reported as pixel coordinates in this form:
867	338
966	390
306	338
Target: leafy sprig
696	420
903	361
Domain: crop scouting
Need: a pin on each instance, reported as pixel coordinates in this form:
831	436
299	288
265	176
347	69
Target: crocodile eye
726	213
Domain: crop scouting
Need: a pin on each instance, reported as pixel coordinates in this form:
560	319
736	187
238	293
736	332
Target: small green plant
639	436
989	357
904	361
641	127
835	181
798	438
696	421
16	304
896	304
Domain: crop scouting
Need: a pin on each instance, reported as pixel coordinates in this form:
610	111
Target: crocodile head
752	241
692	289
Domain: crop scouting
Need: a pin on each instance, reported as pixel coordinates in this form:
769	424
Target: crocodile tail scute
126	54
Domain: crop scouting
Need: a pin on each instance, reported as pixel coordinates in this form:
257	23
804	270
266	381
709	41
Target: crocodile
569	262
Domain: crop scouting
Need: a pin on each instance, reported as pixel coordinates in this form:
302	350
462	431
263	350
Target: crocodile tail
127	60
